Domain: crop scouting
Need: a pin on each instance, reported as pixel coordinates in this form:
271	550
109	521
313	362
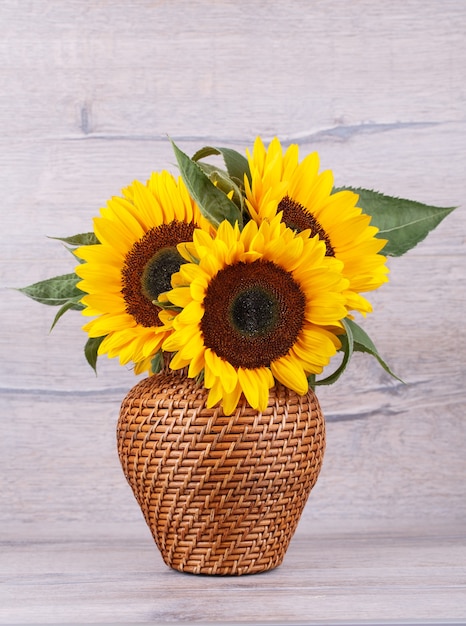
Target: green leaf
157	362
363	343
237	165
70	305
82	239
55	291
404	223
222	181
213	203
91	351
347	346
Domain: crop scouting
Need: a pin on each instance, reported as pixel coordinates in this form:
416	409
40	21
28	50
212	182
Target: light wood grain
111	574
89	93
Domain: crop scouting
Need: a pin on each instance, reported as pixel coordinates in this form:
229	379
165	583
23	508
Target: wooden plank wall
89	93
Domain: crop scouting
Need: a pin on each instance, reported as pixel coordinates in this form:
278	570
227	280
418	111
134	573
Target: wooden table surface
89	93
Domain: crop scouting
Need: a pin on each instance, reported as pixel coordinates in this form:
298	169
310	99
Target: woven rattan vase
221	495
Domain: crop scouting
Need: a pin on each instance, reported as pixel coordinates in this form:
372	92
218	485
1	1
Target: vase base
233	570
238	560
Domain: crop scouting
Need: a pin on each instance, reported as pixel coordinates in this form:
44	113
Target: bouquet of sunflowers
244	273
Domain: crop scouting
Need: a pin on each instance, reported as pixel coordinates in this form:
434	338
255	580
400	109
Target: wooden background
89	92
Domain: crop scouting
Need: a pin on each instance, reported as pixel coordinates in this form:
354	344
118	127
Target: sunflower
304	198
255	307
132	265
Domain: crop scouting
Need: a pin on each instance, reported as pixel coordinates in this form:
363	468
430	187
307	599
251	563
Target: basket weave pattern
221	495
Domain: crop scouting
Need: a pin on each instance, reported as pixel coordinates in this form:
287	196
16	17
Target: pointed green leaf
363	343
82	239
213	203
68	306
157	362
347	346
91	351
404	223
55	291
222	181
237	165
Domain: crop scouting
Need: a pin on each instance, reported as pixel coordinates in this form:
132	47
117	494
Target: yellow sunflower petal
230	400
191	314
192	348
215	393
291	374
180	337
148	206
178	362
216	367
180	296
152	345
255	387
143	366
196	364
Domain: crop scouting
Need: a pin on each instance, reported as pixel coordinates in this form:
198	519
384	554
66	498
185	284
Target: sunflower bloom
132	265
280	184
255	307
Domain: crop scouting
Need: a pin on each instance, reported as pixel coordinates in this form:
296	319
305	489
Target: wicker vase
221	495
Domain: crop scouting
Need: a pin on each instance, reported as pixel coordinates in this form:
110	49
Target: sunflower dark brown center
157	274
148	268
298	218
253	313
